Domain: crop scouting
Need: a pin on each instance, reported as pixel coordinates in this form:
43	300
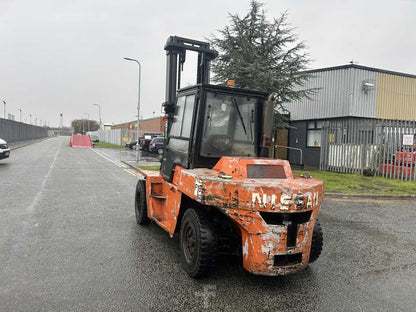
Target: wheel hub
189	242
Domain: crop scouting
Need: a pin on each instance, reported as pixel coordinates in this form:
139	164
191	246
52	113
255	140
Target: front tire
317	242
140	203
198	243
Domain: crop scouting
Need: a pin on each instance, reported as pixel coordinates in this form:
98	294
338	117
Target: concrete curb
345	196
28	143
130	165
370	196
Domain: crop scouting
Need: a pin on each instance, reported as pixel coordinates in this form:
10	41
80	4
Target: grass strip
358	184
150	168
107	145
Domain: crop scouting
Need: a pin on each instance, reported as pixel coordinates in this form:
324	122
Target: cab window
180	130
181	126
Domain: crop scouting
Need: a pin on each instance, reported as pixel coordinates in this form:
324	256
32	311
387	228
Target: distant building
153	125
347	95
107	126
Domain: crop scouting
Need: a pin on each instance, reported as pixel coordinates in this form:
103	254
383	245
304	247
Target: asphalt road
69	242
129	155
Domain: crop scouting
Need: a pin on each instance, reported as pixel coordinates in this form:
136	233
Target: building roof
128	122
378	70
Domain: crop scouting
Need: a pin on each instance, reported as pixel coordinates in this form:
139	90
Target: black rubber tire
317	242
140	203
160	151
198	243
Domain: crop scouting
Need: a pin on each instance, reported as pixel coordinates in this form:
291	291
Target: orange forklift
216	187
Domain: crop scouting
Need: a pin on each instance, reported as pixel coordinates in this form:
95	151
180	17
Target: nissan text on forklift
216	186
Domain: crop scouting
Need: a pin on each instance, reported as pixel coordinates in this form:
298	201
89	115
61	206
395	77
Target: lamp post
138	104
4	102
99	112
30	118
88	122
20	114
62	123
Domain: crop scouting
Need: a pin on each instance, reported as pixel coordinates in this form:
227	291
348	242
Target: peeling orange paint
243	199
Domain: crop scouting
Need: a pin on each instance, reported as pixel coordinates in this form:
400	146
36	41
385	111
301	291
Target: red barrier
80	141
406	158
392	169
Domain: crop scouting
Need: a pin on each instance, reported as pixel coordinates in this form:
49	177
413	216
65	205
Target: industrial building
154	125
348	101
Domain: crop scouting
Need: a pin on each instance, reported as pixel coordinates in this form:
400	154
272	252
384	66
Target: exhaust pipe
267	129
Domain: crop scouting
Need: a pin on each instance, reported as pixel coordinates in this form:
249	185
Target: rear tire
317	242
198	243
140	203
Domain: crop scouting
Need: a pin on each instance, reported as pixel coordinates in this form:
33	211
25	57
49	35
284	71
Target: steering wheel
221	143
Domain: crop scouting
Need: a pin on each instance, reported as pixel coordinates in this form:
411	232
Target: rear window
265	172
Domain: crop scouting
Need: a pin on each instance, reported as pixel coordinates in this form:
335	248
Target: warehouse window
313	133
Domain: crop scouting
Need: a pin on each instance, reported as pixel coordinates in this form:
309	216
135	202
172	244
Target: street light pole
4	102
99	112
138	105
88	122
20	114
62	123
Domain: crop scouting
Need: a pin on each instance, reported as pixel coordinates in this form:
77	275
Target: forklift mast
197	149
176	55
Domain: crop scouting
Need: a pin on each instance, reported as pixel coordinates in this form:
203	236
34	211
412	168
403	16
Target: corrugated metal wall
340	94
364	98
396	97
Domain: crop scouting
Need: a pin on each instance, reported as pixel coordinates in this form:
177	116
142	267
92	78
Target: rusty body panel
274	210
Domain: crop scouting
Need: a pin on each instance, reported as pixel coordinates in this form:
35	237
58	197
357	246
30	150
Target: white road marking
35	201
132	172
117	163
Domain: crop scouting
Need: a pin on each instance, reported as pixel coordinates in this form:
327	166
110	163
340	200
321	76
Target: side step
156	190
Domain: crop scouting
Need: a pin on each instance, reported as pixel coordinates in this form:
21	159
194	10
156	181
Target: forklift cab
210	122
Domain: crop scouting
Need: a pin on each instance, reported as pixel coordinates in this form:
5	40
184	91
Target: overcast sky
63	56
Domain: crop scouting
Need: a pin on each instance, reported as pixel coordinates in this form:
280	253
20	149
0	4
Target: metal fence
379	147
115	136
13	131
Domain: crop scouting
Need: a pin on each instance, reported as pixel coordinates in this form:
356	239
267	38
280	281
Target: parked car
95	138
156	145
144	141
131	144
4	149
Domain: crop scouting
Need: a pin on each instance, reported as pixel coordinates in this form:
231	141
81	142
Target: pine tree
262	55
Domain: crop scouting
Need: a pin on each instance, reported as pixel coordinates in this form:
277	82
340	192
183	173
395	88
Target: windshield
229	125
